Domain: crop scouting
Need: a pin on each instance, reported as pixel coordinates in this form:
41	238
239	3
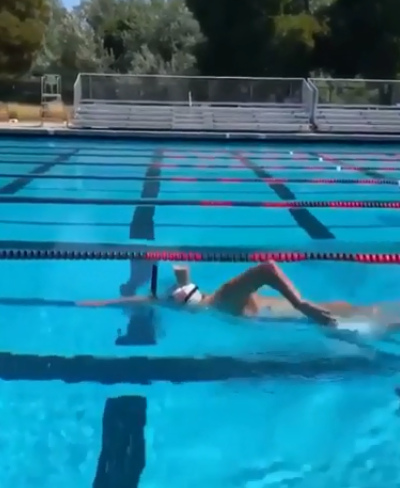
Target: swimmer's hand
316	313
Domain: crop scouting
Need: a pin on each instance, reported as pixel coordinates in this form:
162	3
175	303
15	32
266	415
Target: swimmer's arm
117	301
277	280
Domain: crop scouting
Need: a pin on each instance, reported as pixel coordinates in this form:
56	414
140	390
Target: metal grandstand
155	103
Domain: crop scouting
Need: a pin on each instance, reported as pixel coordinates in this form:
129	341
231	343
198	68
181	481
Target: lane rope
243	257
198	203
185	152
236	167
190	179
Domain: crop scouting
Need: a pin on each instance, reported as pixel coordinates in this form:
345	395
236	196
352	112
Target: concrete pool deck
62	130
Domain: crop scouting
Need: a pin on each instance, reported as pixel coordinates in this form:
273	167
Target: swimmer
239	297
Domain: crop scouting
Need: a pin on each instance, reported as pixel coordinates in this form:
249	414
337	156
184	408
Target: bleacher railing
77	93
309	98
189	90
348	93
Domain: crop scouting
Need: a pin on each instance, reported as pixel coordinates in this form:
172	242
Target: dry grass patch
51	112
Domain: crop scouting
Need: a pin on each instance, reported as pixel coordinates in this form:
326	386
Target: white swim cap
187	294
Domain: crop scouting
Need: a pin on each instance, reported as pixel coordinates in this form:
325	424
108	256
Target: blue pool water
104	398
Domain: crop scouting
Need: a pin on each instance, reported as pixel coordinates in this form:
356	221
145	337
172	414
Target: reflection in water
141	327
140	275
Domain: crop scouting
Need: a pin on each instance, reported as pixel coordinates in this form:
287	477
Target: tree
256	37
237	34
172	36
71	45
294	44
144	36
22	28
363	39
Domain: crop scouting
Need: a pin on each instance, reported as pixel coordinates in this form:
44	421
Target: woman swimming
239	296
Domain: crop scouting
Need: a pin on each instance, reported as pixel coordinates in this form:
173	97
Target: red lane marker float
238	256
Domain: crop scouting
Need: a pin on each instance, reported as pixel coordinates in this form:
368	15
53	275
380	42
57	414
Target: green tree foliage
238	36
144	36
363	38
69	45
274	38
22	27
294	44
255	37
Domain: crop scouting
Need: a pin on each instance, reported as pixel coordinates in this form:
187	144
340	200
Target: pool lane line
145	370
44	302
183	179
303	217
142	324
331	246
123	452
23	181
283	204
184	153
142	223
367	172
192	225
293	167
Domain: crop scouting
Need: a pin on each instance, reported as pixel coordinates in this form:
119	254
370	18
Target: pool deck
61	130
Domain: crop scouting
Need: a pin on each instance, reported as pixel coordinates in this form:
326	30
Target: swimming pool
196	399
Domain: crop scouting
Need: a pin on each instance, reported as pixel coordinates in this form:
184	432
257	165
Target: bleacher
356	106
195	118
162	103
236	105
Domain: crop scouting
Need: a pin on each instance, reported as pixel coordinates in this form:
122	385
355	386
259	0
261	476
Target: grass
51	112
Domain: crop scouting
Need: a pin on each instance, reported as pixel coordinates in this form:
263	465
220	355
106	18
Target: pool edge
190	136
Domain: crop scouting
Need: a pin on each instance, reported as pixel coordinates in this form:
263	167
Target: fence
299	94
357	93
28	91
187	90
89	88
